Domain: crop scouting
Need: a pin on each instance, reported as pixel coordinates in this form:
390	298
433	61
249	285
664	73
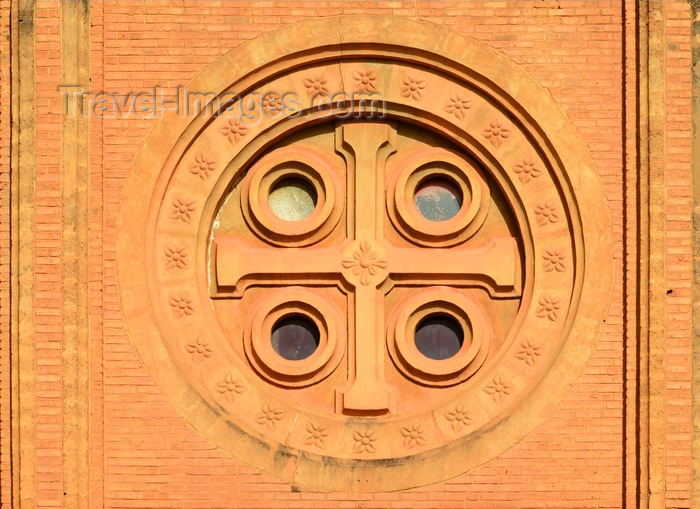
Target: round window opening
438	199
385	301
439	337
292	199
295	337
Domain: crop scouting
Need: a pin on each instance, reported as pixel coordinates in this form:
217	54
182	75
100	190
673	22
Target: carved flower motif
316	435
413	435
364	80
412	87
546	212
181	304
269	416
229	387
182	210
234	130
175	256
458	104
499	388
364	441
316	85
202	166
272	105
554	260
459	418
365	262
527	169
200	349
548	307
496	132
529	351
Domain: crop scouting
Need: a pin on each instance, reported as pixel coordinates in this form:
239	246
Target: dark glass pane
439	337
438	199
295	337
292	199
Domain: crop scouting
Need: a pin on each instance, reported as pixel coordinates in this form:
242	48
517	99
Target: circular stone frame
271	169
438	301
164	204
294	373
458	169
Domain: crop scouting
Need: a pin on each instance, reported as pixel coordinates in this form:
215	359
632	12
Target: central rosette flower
365	262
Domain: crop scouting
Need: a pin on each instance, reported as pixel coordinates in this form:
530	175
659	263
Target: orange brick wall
102	307
48	221
5	396
142	453
574	460
678	255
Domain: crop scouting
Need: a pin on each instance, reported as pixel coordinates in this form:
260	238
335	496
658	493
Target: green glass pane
292	199
438	199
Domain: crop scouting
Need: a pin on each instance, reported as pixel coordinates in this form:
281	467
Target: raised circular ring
429	164
438	301
287	163
294	302
571	185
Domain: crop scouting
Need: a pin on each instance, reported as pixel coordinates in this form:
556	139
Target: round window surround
320	317
445	83
465	313
290	197
449	212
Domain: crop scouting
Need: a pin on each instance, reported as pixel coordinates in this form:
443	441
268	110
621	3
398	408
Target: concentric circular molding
433	163
289	302
504	120
434	301
290	163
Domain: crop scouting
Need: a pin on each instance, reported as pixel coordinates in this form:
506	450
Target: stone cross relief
366	261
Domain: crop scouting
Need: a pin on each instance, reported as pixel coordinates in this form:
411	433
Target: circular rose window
365	266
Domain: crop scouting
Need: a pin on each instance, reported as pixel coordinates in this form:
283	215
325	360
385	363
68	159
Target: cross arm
497	263
237	264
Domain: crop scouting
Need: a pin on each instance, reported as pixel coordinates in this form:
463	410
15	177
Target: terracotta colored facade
144	266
